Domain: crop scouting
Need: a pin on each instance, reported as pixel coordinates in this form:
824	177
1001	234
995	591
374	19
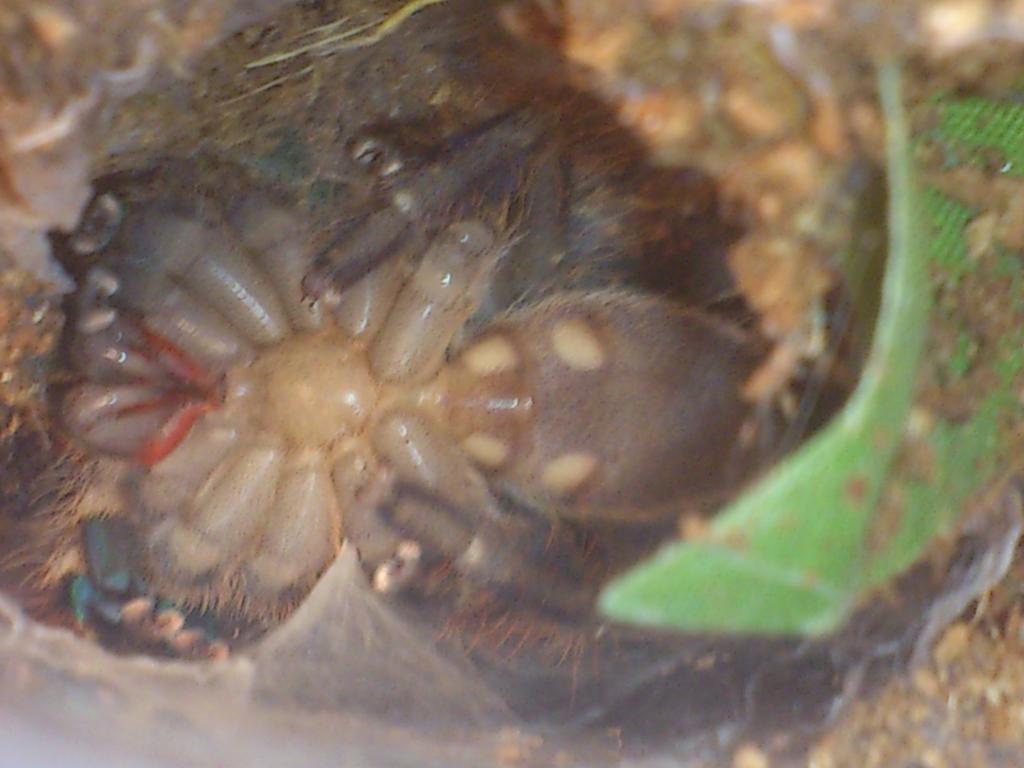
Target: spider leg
419	187
113	599
402	528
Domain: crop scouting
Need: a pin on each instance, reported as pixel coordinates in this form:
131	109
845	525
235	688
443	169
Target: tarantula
256	399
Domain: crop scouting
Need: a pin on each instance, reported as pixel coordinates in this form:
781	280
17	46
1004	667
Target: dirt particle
920	422
754	116
857	489
1004	725
672	118
980	235
693	527
925	682
955	23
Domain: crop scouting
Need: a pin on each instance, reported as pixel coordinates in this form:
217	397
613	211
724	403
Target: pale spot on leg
96	319
136	609
493	355
187	641
577	345
486	449
103	281
399	571
218	651
169	622
568	472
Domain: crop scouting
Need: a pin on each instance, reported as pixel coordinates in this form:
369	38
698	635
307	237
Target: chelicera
255	399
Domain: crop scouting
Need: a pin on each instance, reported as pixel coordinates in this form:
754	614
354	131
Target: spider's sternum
314	388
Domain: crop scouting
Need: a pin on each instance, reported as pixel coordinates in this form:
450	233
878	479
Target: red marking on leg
167	398
196	393
172	432
176	362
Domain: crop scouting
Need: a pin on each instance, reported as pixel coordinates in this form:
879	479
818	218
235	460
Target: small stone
920	422
53	27
955	23
980	235
752	114
925	682
1004	724
749	756
693	527
952	645
932	758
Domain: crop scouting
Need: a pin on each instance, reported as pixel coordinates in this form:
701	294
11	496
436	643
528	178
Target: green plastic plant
796	553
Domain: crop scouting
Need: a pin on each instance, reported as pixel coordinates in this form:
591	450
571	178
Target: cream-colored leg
434	304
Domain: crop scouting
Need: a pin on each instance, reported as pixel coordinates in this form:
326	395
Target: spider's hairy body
258	402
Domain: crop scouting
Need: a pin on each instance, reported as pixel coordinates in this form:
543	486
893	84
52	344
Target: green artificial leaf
791	555
974	128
